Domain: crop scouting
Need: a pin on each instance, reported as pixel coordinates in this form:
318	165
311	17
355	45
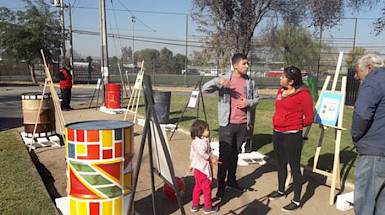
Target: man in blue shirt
368	134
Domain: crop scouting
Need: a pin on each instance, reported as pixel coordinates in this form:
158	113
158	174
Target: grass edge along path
21	188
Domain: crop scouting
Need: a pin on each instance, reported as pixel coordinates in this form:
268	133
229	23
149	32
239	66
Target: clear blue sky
172	27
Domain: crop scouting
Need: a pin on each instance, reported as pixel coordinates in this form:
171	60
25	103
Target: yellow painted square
128	139
80	149
73	207
107	138
118	206
107	208
66	142
83	209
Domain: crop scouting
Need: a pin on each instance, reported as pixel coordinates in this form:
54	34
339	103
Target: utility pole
71	44
63	36
133	43
319	54
354	40
103	43
185	73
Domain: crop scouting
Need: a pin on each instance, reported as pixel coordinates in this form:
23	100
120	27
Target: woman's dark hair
197	128
294	74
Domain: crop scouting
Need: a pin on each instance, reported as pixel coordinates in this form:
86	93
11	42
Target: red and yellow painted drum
99	166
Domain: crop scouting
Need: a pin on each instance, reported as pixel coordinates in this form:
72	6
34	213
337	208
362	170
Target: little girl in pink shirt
201	159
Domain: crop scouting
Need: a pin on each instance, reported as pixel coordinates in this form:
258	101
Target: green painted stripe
112	191
96	179
81	167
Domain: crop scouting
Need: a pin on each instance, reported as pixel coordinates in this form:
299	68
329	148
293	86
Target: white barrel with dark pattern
46	120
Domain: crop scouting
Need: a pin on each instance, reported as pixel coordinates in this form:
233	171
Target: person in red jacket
293	112
65	87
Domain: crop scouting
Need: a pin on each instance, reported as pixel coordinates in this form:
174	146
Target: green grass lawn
21	189
262	138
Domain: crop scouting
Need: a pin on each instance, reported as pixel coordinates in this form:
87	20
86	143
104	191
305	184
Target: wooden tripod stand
193	103
135	96
58	112
168	173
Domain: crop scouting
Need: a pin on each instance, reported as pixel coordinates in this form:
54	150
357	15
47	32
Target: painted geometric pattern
101	207
98	180
98	144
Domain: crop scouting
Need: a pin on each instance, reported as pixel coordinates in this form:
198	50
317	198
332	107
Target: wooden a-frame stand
151	116
198	87
335	173
55	98
122	81
135	96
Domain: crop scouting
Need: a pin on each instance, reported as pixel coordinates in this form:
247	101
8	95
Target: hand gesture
213	160
189	168
242	103
224	82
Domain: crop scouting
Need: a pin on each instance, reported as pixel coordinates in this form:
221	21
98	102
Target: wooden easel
135	96
58	112
335	174
198	87
147	134
122	81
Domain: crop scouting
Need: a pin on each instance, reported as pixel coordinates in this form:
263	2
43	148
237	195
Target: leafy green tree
126	54
150	57
166	60
24	33
230	24
295	45
179	63
358	52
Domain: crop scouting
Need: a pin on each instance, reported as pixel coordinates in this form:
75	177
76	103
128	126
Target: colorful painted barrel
99	166
46	120
113	96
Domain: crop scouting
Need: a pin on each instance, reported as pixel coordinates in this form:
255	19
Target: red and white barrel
113	96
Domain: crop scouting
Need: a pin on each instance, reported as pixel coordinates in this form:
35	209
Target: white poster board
160	157
98	83
139	80
328	110
192	103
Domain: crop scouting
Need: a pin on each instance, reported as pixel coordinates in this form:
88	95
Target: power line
136	17
136	39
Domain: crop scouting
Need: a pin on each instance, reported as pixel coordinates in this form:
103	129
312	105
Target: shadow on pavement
167	206
9	123
46	176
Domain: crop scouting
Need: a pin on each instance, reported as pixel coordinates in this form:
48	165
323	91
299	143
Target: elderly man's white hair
370	59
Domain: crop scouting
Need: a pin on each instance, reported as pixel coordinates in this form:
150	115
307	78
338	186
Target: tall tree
230	24
126	54
179	63
166	60
150	57
24	33
296	45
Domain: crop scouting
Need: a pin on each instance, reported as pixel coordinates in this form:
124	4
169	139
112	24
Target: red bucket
113	96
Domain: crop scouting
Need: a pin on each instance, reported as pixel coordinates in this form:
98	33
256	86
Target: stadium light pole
133	43
185	73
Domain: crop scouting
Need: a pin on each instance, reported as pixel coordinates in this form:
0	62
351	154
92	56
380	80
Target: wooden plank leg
137	104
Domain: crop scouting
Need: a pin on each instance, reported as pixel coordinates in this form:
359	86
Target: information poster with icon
139	80
328	109
192	103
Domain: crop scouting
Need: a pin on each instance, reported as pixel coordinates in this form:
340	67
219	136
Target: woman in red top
293	111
